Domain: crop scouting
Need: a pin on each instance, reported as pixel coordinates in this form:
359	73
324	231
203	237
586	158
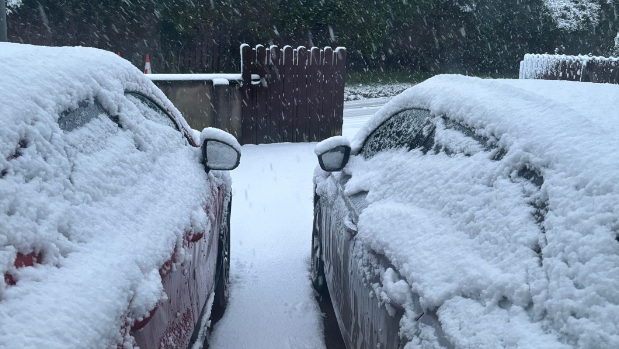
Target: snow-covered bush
12	4
573	14
357	92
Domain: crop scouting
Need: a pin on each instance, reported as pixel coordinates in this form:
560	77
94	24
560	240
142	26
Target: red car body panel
187	284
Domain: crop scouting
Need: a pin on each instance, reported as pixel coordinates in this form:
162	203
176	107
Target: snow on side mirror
333	153
220	150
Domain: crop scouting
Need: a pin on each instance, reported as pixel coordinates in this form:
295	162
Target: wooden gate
291	95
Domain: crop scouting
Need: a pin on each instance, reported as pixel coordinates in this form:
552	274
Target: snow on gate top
104	206
461	225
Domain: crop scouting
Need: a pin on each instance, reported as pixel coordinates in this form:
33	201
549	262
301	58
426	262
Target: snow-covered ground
271	301
356	113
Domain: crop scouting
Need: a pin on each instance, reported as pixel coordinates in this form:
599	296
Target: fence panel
339	78
288	87
277	125
314	88
247	121
301	120
261	97
328	109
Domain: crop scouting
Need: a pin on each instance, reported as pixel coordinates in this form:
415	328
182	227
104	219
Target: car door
353	273
188	283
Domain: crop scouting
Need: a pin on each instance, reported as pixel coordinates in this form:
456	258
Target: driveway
272	304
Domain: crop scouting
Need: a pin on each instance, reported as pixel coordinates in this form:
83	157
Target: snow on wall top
460	226
104	206
192	77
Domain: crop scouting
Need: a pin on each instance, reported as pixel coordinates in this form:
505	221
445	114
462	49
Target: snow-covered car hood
105	207
461	226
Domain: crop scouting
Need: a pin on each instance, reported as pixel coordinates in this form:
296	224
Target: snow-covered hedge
12	4
573	14
559	67
357	92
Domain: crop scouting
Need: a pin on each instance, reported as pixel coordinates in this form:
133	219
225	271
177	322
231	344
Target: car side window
85	112
150	110
402	130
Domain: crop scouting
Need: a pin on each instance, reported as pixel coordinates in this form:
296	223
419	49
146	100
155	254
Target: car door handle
350	227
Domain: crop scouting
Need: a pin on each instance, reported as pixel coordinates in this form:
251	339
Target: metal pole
3	37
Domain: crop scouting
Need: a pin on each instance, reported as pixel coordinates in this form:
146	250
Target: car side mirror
333	153
220	150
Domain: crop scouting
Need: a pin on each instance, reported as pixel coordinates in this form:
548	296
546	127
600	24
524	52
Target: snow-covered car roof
514	242
56	79
103	206
460	96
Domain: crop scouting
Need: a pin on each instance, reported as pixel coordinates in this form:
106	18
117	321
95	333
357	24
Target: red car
114	214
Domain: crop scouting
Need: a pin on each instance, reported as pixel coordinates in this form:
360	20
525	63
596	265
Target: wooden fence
572	68
291	95
210	51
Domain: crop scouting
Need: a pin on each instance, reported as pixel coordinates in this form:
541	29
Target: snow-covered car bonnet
508	258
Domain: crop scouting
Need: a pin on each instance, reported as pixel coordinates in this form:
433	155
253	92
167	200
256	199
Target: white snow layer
219	135
459	225
105	206
331	143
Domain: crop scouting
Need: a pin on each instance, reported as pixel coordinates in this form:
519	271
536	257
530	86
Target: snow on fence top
572	68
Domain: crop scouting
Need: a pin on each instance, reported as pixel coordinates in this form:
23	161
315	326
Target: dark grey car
341	265
473	213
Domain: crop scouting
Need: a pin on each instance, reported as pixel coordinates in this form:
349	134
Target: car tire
317	270
222	288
